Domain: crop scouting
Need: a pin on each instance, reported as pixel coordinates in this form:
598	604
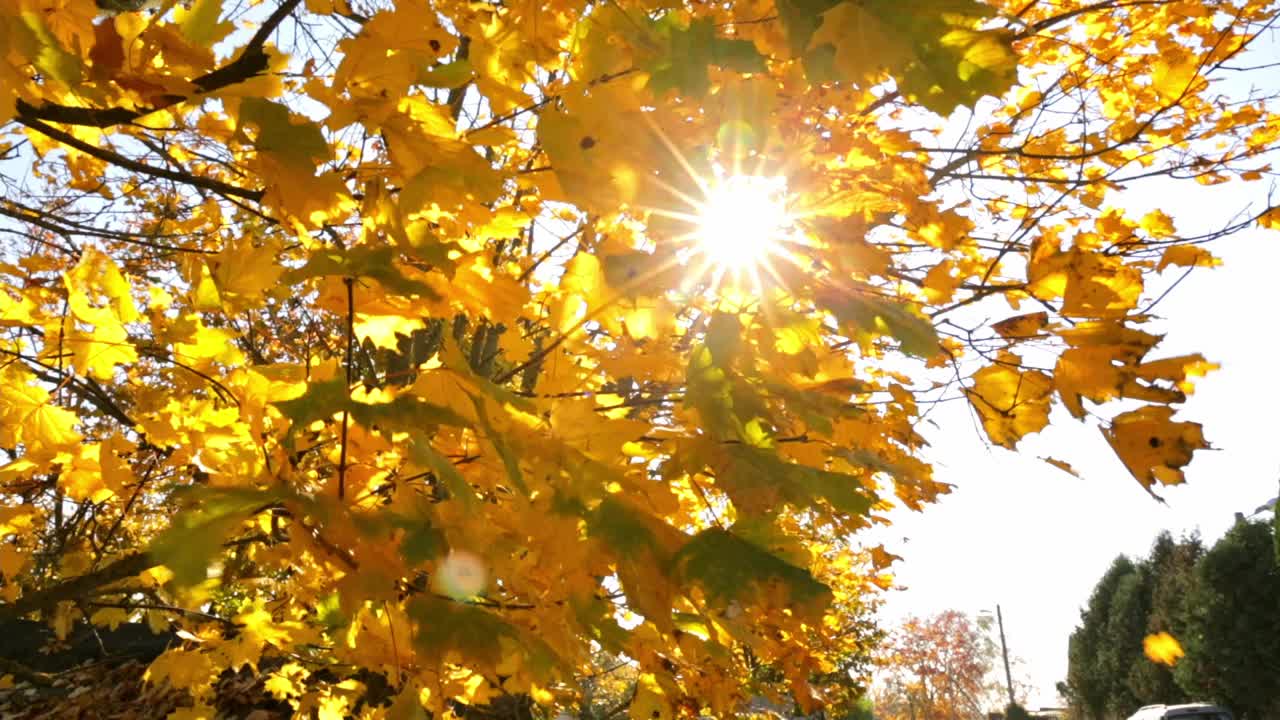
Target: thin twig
351	319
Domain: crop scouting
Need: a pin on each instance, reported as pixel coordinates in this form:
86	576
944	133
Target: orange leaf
1061	465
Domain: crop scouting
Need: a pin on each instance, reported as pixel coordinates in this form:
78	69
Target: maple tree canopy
415	340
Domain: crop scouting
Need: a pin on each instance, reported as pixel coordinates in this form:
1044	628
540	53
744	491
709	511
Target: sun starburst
742	221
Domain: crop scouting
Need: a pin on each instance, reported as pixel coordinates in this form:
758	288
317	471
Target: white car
1194	711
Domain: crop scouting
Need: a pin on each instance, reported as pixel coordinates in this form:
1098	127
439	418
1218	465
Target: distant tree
934	668
1108	675
1170	572
1232	641
1089	681
1122	641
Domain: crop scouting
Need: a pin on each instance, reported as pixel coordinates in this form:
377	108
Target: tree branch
251	61
119	160
78	587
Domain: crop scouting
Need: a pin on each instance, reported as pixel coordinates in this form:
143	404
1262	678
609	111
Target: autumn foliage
371	340
935	667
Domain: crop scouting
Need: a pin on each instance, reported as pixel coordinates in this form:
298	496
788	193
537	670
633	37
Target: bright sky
1021	533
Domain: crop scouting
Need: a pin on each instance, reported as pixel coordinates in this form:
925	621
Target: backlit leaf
729	569
936	50
200	24
197	534
865	315
1010	401
298	142
690	49
1152	445
378	263
450	631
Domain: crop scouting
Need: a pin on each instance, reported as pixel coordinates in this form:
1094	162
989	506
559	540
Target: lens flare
461	575
742	221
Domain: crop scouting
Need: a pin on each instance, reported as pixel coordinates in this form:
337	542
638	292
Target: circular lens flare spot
461	575
742	219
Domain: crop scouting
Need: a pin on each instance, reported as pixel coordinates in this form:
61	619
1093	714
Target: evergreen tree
1170	571
1088	680
1232	641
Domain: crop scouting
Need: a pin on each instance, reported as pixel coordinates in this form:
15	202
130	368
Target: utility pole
1004	650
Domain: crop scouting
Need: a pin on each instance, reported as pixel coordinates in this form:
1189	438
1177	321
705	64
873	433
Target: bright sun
742	221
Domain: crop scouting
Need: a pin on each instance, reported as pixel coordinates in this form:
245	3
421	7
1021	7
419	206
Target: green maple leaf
642	548
753	475
298	143
377	263
34	39
446	473
730	569
449	75
197	534
627	531
470	634
865	315
691	49
323	400
941	53
200	26
422	542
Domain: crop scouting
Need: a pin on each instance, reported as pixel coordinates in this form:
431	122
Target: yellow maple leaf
1270	219
600	150
1162	648
99	296
1187	256
287	682
109	617
15	312
1182	371
243	271
95	284
204	344
1011	402
12	562
864	46
82	476
1157	224
577	422
1175	73
940	283
51	427
97	352
1099	285
1089	373
651	701
1152	446
1021	327
183	669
